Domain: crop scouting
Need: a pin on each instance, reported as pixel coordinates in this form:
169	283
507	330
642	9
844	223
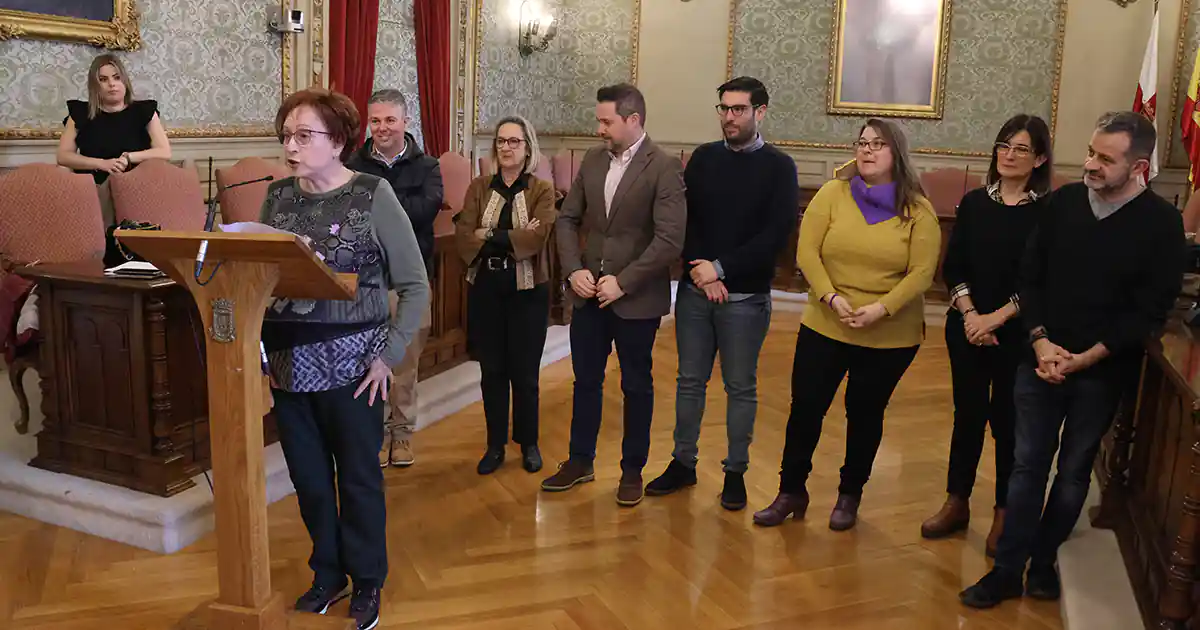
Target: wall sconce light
536	29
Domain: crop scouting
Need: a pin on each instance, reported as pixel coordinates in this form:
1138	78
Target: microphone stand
211	216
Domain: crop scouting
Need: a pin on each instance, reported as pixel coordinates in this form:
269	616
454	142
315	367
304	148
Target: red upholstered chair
47	214
945	187
485	164
564	175
244	203
159	192
1058	181
456	176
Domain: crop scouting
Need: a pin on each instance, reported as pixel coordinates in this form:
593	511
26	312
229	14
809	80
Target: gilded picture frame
122	32
889	58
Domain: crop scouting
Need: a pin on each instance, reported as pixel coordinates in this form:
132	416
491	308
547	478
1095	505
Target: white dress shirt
616	170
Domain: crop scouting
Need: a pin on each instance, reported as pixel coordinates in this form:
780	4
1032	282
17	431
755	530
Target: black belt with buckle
495	263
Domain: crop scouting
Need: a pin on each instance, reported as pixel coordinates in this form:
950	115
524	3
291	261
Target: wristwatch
487	236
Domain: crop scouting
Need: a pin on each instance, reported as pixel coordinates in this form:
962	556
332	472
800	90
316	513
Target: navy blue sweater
741	209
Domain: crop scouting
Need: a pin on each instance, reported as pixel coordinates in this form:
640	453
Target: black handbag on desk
114	253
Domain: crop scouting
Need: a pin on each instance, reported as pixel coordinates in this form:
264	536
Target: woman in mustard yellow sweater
868	247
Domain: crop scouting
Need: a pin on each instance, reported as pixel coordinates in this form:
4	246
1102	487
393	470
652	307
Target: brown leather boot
785	505
994	535
954	517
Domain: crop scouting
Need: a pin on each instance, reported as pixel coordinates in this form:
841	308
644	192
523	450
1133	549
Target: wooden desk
123	380
1149	475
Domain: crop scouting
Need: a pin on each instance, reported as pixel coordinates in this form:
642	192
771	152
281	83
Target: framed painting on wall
105	23
888	57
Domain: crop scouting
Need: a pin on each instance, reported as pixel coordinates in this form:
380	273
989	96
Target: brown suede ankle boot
954	517
994	535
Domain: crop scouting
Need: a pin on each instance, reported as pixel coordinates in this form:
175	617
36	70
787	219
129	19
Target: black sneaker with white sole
364	608
318	599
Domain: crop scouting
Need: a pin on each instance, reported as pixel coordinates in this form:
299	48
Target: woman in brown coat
501	232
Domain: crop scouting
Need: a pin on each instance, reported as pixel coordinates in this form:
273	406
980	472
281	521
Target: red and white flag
1147	89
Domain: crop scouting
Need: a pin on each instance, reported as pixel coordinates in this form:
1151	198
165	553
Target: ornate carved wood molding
121	33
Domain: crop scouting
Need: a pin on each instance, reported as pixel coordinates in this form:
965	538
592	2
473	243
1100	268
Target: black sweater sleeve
761	249
1159	281
1032	275
956	268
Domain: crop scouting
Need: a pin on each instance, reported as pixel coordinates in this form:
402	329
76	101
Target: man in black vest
393	154
1102	268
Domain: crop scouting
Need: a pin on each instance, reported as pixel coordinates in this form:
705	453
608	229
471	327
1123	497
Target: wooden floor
470	552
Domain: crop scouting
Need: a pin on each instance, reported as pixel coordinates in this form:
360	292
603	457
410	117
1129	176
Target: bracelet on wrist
970	309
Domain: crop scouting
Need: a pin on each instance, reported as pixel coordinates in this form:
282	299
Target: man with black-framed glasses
742	198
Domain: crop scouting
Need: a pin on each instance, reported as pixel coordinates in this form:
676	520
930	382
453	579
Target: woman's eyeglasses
875	144
1017	150
509	142
303	136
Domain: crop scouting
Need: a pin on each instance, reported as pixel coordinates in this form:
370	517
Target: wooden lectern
241	274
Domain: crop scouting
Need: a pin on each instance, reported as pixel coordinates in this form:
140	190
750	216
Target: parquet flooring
495	553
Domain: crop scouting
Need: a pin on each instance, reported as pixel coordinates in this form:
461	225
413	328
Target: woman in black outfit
983	335
501	233
110	132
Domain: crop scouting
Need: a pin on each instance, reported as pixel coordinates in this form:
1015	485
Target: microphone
211	216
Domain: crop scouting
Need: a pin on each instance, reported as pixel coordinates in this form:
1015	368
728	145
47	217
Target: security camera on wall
292	21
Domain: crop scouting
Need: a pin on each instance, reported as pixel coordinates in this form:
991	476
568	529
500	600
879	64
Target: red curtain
431	19
353	29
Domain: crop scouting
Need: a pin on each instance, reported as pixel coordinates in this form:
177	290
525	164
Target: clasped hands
861	317
704	276
116	165
981	329
585	285
1054	363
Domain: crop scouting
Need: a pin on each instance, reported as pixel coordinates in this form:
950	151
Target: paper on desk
253	227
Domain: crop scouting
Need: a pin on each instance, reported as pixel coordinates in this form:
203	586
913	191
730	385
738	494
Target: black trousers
506	331
593	331
819	365
983	379
331	442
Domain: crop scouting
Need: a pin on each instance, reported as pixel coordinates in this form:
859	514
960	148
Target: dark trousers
1082	407
507	332
819	365
982	378
331	442
593	331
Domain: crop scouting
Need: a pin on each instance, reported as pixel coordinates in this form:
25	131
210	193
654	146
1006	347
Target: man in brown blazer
627	213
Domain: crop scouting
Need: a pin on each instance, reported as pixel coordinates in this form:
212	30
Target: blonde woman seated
111	132
502	231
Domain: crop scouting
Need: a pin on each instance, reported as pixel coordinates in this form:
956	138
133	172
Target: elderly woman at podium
330	361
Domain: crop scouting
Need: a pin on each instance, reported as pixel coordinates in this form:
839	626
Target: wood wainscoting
1149	475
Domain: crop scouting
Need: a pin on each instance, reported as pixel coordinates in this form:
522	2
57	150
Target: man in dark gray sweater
1103	267
742	198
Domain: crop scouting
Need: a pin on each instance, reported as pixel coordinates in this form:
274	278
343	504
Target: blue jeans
1082	407
736	330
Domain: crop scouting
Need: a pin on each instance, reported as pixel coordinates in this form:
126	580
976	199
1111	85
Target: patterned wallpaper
209	63
556	89
1178	156
396	57
1000	63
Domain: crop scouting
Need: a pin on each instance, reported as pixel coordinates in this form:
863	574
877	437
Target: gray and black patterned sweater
318	345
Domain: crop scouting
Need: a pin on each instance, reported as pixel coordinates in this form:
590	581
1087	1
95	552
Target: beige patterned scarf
521	218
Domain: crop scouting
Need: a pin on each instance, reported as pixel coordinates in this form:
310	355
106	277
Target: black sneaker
675	478
318	599
364	608
1041	582
733	495
993	588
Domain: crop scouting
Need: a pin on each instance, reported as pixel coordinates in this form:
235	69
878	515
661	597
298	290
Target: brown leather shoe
994	535
629	491
570	473
845	513
785	504
954	517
